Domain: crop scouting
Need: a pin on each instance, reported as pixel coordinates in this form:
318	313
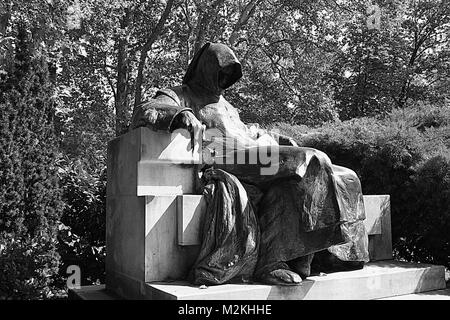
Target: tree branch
105	65
147	46
206	15
245	16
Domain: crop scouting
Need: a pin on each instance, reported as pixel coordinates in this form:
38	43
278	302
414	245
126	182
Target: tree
407	59
304	62
30	197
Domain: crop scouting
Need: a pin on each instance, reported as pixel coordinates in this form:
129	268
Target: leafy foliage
402	62
378	99
30	197
82	229
399	157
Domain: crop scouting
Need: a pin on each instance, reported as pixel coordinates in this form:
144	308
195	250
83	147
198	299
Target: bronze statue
273	227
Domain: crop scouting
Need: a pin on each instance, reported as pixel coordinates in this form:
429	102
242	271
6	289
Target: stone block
380	244
125	240
164	258
190	211
153	219
373	213
144	162
146	170
386	280
142	244
377	280
377	223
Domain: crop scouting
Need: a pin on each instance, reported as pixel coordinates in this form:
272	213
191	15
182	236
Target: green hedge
30	197
406	155
81	237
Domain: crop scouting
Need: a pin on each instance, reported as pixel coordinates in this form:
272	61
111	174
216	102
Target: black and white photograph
227	153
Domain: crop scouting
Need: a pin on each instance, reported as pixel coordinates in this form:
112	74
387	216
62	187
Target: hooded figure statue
273	227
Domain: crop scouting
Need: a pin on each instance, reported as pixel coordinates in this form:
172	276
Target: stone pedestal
378	280
152	232
147	171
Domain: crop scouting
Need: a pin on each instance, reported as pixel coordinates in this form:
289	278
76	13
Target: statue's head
213	69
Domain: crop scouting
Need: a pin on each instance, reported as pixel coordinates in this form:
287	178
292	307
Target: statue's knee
346	174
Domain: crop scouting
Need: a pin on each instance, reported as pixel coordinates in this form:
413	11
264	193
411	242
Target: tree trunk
146	47
6	48
122	97
201	32
403	96
205	17
246	14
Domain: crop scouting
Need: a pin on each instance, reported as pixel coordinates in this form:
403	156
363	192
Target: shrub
30	198
426	218
404	156
82	229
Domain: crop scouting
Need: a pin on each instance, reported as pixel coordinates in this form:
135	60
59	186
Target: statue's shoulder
220	114
168	98
158	112
163	97
170	93
221	106
213	110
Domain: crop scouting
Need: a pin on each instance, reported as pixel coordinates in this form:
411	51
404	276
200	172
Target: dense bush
52	208
82	229
30	197
406	155
426	217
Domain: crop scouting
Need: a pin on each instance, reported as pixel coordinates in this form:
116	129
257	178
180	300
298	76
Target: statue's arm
158	113
282	140
165	112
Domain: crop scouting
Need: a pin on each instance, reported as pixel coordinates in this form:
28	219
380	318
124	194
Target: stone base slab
378	280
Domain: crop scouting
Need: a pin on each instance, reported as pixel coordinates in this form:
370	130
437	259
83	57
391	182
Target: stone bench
190	208
153	213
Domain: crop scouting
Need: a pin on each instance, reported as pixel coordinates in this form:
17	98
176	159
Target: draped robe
256	223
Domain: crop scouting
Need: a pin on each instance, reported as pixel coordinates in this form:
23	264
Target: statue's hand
187	120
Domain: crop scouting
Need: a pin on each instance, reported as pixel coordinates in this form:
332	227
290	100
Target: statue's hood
213	69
